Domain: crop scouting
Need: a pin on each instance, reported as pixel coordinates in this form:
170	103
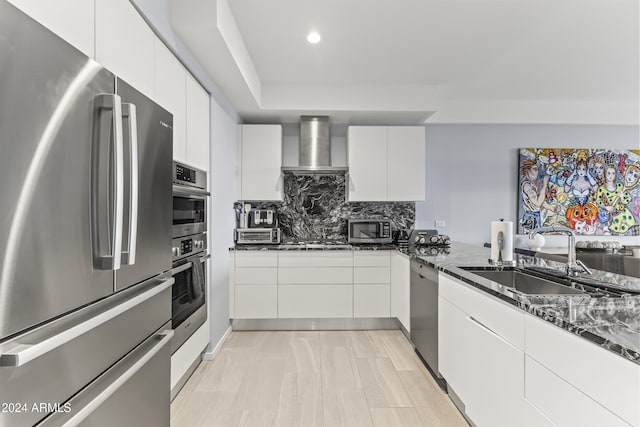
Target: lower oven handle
179	269
113	387
22	354
204	258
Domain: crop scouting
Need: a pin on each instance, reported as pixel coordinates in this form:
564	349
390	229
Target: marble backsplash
315	207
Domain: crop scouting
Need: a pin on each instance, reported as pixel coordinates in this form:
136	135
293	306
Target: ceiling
411	61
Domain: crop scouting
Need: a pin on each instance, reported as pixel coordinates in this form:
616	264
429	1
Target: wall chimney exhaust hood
315	149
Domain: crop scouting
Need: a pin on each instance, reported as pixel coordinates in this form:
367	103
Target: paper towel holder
500	262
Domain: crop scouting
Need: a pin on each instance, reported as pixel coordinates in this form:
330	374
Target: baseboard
324	324
210	355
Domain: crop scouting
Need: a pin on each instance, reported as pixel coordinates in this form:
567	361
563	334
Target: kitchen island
611	322
511	358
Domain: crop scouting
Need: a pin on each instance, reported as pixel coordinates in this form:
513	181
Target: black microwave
369	230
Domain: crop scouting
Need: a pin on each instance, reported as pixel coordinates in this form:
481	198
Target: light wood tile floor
314	378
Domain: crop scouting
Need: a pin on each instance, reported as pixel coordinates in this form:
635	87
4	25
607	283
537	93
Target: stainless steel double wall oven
189	252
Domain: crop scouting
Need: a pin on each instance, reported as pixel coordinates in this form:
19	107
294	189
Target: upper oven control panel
188	175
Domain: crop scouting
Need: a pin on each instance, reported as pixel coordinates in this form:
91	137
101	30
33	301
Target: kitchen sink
524	282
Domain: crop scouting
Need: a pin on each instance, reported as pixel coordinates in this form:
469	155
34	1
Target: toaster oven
257	236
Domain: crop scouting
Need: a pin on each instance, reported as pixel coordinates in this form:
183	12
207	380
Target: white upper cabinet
260	156
367	156
197	124
170	90
71	20
386	163
125	44
406	163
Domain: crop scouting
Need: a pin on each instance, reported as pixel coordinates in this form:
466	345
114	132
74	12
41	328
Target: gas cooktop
316	244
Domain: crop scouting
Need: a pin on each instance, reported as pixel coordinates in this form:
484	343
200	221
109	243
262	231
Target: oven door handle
180	190
204	258
180	269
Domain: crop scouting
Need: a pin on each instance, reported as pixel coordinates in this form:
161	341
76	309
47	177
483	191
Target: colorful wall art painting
593	191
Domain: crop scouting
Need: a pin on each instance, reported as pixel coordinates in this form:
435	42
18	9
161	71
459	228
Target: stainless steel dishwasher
424	315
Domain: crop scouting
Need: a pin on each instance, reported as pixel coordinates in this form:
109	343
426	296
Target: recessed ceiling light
313	37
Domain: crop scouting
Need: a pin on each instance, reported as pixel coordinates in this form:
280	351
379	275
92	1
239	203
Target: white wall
472	176
224	165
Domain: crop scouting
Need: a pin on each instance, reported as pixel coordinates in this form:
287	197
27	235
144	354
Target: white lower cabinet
371	284
371	300
484	368
533	417
311	284
315	284
256	301
315	301
603	386
496	377
400	290
255	285
511	368
562	403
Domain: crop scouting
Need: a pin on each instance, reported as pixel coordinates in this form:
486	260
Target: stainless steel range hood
315	149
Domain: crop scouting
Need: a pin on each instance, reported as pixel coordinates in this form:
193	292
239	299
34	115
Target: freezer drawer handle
21	354
129	254
112	388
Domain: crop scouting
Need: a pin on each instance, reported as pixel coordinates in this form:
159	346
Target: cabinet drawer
372	259
371	301
502	318
564	404
372	275
256	276
605	377
256	302
256	259
316	259
315	301
532	416
315	275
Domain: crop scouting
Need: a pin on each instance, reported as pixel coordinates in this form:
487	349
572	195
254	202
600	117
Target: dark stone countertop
610	322
285	247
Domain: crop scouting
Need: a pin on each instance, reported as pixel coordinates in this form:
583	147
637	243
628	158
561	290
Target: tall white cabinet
197	129
386	163
170	93
178	92
260	154
125	43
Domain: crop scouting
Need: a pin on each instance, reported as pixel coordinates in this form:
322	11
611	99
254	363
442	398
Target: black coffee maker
401	238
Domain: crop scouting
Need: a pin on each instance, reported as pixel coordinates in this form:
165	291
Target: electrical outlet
441	223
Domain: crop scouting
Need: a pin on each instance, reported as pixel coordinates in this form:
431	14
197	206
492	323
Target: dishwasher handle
424	271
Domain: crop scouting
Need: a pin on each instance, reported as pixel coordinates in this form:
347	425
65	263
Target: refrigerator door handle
80	415
107	184
129	253
21	354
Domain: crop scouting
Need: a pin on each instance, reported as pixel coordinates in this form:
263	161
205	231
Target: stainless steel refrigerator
85	237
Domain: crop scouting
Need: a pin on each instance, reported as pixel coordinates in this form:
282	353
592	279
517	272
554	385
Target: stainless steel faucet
574	266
